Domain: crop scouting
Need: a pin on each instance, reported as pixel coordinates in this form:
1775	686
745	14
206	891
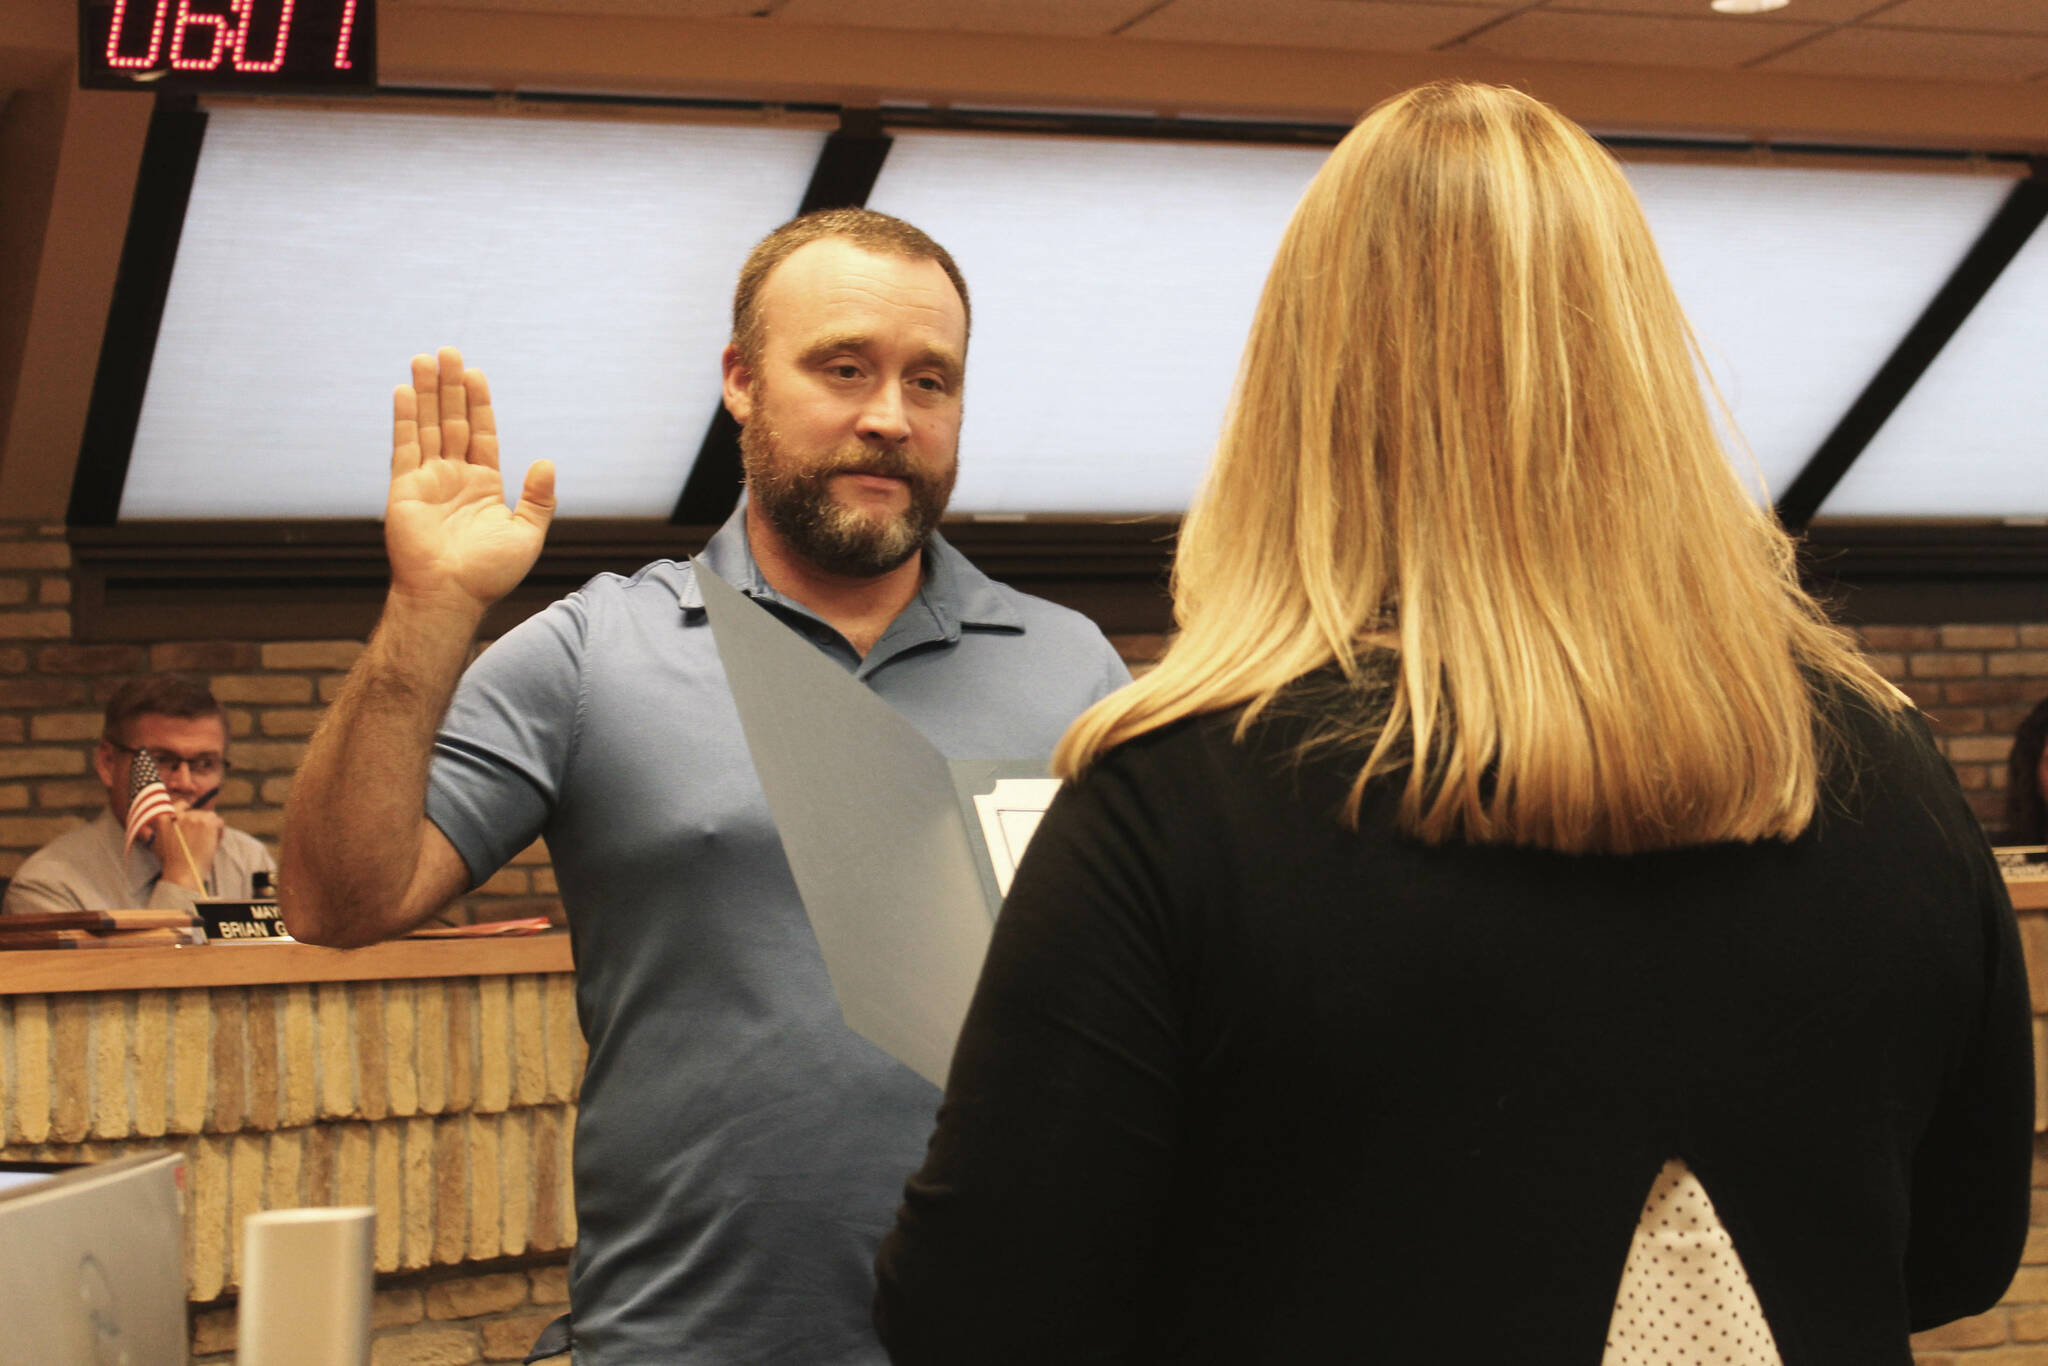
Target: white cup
306	1281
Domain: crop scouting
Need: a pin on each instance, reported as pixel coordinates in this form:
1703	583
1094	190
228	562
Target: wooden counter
225	965
2028	894
435	1079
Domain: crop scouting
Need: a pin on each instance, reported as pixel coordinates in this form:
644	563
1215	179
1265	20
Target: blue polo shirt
739	1151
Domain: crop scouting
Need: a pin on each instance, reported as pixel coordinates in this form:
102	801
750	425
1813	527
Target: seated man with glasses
187	852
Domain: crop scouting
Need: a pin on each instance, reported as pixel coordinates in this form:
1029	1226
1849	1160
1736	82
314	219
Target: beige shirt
85	870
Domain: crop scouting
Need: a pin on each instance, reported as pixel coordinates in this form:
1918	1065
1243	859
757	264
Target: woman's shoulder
1172	751
1872	733
1884	773
1230	769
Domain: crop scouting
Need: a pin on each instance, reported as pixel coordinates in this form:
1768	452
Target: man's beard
796	497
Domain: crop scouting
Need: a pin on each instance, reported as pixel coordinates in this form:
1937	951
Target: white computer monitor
92	1263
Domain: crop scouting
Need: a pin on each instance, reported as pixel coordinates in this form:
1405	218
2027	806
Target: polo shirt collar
954	593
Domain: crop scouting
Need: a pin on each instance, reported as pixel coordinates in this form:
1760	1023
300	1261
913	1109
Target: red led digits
245	9
115	58
348	28
188	23
227	44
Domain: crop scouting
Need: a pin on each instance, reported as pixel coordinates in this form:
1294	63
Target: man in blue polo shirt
738	1149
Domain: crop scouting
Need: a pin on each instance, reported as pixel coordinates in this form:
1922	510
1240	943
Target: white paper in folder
1009	814
880	828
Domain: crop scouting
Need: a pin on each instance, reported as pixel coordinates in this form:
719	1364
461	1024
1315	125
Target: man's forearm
353	824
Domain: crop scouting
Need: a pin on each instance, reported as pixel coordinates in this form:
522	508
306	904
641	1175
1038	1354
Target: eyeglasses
200	766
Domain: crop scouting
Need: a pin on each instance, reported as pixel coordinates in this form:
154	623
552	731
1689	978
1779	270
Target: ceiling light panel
1799	283
1971	438
1113	281
586	265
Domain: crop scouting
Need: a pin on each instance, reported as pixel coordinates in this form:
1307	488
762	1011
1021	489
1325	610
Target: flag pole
190	862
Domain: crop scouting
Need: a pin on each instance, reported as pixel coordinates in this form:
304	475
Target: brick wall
446	1104
435	1319
53	691
1975	683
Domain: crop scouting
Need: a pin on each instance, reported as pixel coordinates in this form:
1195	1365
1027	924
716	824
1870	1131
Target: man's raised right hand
454	545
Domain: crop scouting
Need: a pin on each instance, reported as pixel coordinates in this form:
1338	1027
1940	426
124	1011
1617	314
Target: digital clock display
219	45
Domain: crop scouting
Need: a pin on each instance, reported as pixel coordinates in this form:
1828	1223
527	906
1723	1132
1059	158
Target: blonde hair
1469	463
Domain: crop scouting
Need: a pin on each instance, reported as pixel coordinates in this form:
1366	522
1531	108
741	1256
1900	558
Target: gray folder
878	828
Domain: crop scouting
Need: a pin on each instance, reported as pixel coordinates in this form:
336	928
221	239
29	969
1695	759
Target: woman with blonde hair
1511	924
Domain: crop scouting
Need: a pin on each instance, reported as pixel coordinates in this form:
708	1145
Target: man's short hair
157	695
866	229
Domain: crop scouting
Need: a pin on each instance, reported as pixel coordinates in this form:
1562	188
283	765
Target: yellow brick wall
1974	683
435	1318
53	691
448	1105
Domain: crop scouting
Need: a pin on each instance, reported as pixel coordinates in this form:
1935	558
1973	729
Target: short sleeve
504	749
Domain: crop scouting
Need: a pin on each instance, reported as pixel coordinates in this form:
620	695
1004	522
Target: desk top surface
257	964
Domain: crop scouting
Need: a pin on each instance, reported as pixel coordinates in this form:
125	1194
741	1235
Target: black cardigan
1240	1085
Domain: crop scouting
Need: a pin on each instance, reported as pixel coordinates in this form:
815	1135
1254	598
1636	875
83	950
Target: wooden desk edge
46	971
33	971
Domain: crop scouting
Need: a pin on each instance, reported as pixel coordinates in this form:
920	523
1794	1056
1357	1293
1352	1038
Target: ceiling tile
1557	36
1366	25
2001	16
1039	18
1798	11
1917	54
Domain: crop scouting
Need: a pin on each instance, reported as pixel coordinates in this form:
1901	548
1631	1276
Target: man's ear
739	384
104	759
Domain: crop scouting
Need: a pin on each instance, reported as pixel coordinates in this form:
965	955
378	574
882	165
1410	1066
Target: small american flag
147	798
